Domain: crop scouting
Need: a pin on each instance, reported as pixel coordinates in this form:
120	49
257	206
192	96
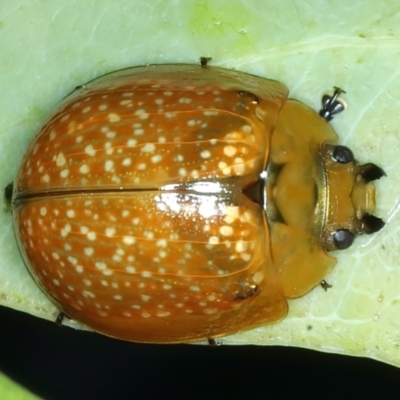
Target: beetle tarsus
8	191
325	285
60	318
331	104
214	343
204	61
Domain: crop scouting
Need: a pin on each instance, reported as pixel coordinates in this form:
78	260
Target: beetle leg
332	104
246	293
204	61
247	99
325	285
60	318
8	191
214	343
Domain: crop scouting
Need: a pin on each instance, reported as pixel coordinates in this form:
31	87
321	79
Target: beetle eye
343	239
371	172
371	224
343	154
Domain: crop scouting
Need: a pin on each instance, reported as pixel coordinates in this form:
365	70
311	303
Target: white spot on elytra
213	240
210	113
89	150
245	257
126	102
70	213
66	230
166	286
241	246
182	172
131	142
129	240
79	269
138	131
226	230
246	128
109	165
142	114
230	151
156	159
88	294
100	265
64	173
89	251
72	260
258	277
148	148
91	236
126	162
163	314
110	232
161	243
84	169
112	117
61	160
185	100
205	154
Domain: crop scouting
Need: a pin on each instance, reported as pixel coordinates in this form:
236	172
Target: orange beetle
175	203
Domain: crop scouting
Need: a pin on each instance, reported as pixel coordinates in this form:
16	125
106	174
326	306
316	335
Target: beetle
176	203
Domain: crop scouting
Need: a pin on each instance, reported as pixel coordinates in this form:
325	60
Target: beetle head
350	198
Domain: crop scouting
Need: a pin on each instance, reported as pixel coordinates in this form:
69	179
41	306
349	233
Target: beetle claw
332	104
